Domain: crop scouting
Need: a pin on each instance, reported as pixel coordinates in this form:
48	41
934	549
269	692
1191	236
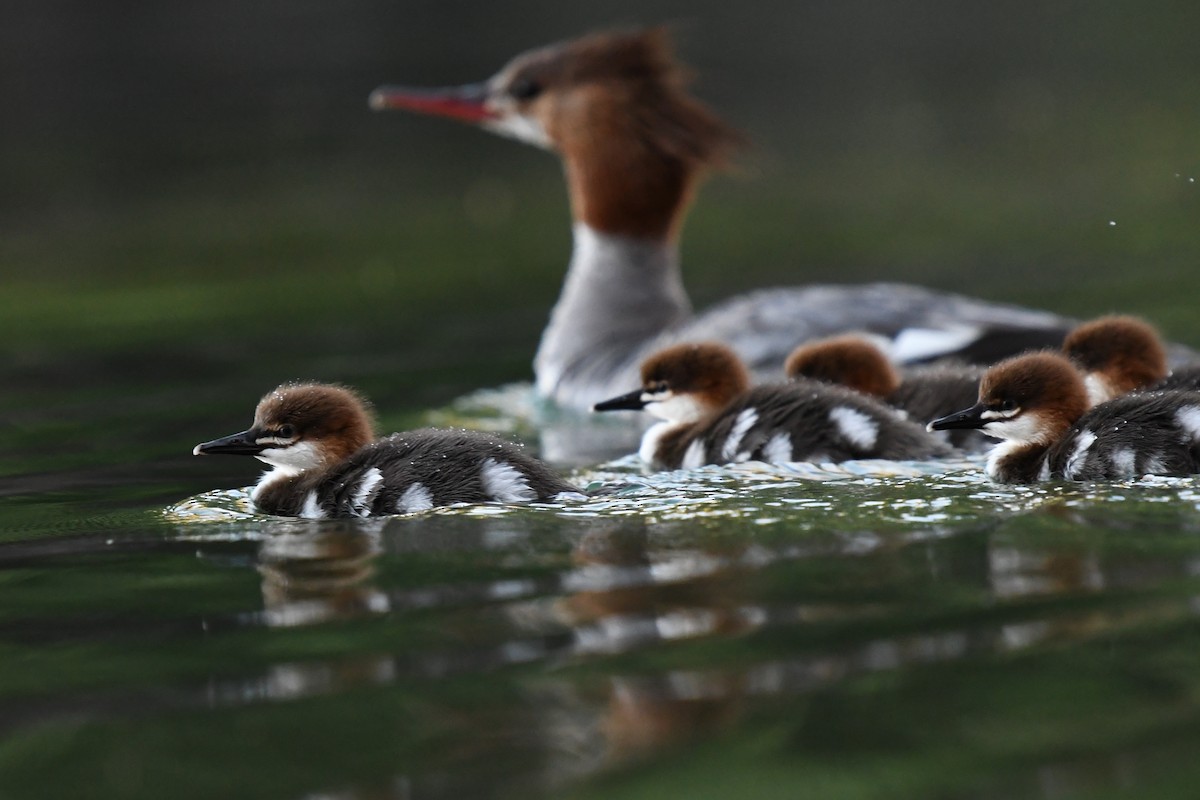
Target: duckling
326	462
712	416
920	393
1120	354
1038	405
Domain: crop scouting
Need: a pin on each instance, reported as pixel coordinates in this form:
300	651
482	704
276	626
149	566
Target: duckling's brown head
686	382
1117	354
1032	398
301	426
850	360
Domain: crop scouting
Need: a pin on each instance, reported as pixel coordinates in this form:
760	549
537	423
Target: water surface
861	630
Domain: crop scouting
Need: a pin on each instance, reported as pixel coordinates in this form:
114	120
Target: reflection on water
562	589
315	576
509	649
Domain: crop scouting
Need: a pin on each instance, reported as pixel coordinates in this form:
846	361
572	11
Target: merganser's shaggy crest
1038	404
712	416
320	441
635	144
922	393
1120	354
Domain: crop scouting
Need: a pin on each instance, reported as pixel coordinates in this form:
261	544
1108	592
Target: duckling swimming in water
921	393
326	462
1038	404
712	416
1120	354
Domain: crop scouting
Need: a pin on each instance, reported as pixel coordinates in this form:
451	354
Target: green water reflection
1036	644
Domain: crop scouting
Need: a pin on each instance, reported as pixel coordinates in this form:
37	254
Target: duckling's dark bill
969	418
627	402
237	444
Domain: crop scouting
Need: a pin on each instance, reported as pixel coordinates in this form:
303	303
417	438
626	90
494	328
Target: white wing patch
741	426
694	456
1124	462
415	498
1188	418
368	487
312	508
855	426
1154	465
505	483
1044	472
778	449
919	344
1078	457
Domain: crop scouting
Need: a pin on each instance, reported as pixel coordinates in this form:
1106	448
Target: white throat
619	293
293	459
678	408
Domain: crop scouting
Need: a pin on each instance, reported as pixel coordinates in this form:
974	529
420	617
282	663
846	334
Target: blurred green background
198	190
196	204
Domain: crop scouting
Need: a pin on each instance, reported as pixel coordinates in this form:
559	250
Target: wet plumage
1120	354
319	440
711	416
921	393
1038	404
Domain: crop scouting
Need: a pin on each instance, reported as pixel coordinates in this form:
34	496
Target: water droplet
1112	223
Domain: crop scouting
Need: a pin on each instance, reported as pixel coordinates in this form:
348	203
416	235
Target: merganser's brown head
301	426
850	360
615	106
1031	399
1117	354
685	383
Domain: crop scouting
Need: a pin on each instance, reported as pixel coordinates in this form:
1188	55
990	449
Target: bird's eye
287	431
1007	405
524	89
658	387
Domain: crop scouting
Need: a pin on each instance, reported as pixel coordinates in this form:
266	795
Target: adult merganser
712	416
327	463
1120	354
634	144
921	393
1038	404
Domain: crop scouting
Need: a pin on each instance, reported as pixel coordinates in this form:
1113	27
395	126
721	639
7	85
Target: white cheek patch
521	127
675	407
294	459
1005	413
505	483
855	426
415	498
1026	428
364	493
741	426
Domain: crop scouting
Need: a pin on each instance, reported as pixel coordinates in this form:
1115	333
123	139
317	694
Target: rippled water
858	630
